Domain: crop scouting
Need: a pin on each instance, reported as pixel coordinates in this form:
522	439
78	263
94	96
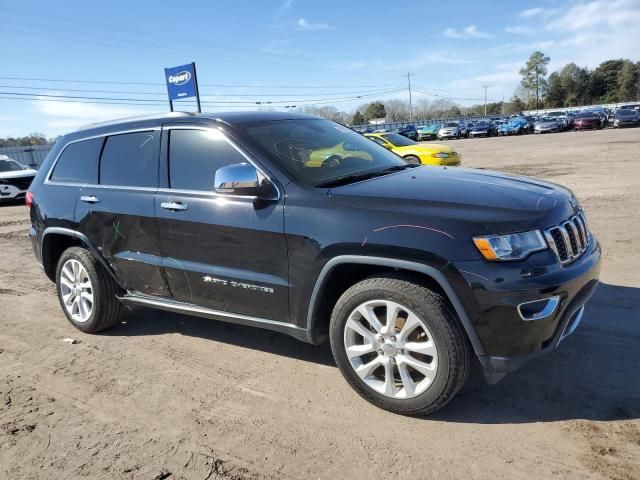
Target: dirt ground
166	396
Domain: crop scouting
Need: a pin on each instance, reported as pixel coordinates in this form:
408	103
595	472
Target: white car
15	179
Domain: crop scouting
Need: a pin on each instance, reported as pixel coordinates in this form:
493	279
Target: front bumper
495	290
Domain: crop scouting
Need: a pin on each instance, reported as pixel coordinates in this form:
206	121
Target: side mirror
243	179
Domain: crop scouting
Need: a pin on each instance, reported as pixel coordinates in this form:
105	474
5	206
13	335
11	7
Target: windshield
481	124
625	113
451	124
317	151
587	115
10	166
398	140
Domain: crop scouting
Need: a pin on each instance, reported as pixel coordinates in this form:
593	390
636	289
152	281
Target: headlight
513	246
440	155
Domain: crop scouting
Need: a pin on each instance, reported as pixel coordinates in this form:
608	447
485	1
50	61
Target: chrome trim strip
574	230
551	242
567	242
547	311
576	226
194	309
573	323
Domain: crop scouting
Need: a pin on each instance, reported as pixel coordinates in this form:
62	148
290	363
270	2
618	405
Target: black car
297	224
626	117
408	131
483	128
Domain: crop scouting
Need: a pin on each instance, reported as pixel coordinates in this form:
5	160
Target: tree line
612	81
26	141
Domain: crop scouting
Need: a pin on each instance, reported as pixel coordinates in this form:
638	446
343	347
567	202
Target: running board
199	311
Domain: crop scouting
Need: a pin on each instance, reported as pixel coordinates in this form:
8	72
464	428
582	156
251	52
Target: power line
408	75
114	82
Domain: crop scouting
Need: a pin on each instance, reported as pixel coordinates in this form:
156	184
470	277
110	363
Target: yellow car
414	152
318	157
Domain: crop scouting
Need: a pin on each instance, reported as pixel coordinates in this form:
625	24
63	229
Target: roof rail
139	117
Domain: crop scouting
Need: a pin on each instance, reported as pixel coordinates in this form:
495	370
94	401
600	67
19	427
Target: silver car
449	130
546	125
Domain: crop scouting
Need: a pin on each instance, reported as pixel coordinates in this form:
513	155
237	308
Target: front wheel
86	292
399	345
412	160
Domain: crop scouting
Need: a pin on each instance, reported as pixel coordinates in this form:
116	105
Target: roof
231	118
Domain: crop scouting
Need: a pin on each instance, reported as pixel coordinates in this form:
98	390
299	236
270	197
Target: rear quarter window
78	162
130	160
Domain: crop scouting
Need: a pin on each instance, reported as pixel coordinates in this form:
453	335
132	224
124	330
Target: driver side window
379	141
194	157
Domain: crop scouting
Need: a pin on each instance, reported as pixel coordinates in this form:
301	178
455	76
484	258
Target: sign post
182	82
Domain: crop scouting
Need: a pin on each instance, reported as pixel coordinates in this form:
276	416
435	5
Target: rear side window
194	157
130	160
78	162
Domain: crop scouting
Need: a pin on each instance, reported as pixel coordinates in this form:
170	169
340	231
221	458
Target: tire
413	160
105	307
438	323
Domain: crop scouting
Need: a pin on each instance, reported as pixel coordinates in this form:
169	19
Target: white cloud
470	31
304	24
531	12
519	30
613	14
60	117
277	20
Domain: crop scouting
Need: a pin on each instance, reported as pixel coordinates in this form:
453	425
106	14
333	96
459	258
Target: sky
289	52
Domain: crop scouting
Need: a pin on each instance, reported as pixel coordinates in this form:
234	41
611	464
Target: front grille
20	183
570	239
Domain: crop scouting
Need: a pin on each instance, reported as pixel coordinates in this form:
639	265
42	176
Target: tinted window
194	157
130	159
79	162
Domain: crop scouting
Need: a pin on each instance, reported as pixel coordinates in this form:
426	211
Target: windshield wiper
356	177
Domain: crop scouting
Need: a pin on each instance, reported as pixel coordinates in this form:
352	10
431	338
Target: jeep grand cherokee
409	271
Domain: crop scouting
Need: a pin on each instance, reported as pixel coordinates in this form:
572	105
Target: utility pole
485	98
409	75
537	88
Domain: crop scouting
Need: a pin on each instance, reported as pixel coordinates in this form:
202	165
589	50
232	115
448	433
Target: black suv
300	225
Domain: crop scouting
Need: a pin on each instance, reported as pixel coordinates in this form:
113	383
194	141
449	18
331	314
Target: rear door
226	253
117	214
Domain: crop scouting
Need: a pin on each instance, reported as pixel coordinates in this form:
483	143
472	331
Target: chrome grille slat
570	239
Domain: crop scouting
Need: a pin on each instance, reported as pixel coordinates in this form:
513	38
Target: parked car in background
587	121
408	131
626	117
513	126
463	128
417	153
429	132
449	130
15	179
483	128
547	125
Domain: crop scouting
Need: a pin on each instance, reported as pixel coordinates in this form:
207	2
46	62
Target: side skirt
198	311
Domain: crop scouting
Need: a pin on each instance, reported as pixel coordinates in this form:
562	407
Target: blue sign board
181	81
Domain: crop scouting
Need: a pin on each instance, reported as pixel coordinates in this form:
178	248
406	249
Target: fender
427	270
83	238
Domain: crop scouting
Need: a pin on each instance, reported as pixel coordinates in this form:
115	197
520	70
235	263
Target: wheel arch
318	299
55	240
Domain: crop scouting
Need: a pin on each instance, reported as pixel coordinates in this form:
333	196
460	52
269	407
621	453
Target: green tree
534	75
358	119
556	92
374	110
628	82
610	71
515	105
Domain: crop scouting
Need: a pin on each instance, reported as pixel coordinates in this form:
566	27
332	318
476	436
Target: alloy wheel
391	349
76	290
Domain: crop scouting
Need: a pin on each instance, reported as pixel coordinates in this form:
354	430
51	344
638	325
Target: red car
586	121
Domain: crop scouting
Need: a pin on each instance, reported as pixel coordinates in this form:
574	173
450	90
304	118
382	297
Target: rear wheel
399	345
86	292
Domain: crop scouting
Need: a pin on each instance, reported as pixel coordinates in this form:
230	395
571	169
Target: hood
497	202
547	122
479	128
19	174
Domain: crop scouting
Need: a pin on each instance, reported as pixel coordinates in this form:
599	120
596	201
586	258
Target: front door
226	253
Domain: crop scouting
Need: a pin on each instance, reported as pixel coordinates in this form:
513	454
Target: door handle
173	206
89	199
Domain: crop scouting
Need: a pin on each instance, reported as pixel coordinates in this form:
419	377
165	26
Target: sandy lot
165	396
